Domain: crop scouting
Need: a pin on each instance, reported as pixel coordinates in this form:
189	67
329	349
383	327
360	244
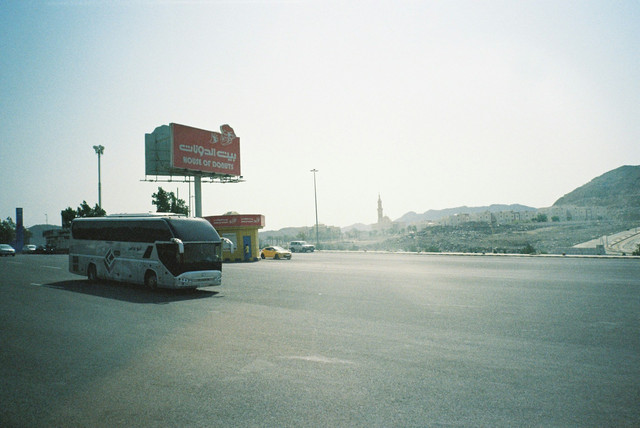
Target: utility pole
315	196
99	151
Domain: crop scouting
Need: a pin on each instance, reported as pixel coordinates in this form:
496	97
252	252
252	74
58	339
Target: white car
7	250
29	249
301	247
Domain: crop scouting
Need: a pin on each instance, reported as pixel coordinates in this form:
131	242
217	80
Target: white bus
165	251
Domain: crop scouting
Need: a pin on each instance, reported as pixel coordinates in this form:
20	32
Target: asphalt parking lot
327	339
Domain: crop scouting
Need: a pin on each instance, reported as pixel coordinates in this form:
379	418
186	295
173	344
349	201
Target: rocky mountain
357	226
616	189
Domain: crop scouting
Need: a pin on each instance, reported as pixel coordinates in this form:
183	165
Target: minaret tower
380	216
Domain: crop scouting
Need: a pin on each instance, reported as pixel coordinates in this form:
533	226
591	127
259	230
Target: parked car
301	247
7	250
275	252
29	249
44	249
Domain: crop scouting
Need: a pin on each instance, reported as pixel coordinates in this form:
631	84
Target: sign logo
206	151
109	260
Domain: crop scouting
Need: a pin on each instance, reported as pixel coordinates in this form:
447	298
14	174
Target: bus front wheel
92	274
151	280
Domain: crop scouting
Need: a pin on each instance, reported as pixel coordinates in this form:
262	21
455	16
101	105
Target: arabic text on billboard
206	151
240	220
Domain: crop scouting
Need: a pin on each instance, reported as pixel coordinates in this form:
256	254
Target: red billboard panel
205	151
236	220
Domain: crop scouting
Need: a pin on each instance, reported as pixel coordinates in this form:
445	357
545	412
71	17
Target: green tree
637	251
541	218
68	215
178	206
84	210
167	202
353	234
528	249
161	201
7	231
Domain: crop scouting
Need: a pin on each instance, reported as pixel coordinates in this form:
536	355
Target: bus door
246	245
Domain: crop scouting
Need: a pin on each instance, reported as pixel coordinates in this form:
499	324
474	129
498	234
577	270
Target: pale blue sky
432	104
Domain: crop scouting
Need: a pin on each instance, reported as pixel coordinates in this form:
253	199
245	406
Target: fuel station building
242	231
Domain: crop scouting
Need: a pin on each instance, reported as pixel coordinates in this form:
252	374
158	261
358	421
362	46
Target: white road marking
319	359
52	267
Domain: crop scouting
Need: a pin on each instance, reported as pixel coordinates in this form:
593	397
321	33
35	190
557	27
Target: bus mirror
228	242
180	245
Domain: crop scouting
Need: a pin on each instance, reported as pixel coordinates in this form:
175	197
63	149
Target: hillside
616	189
481	237
36	233
617	192
433	215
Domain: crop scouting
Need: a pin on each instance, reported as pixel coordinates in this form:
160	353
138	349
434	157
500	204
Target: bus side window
147	254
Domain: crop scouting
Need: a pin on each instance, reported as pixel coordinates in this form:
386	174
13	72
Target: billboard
176	149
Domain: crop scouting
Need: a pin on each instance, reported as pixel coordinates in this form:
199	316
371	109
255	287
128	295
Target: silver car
301	247
29	249
7	250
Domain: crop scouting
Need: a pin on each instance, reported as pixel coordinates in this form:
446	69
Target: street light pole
99	151
315	195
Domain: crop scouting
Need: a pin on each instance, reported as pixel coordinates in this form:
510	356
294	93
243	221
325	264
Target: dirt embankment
482	237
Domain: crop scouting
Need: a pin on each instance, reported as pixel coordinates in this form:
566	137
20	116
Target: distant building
569	213
384	222
563	213
456	219
57	240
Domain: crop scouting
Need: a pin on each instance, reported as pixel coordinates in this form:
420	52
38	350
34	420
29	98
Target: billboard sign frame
180	150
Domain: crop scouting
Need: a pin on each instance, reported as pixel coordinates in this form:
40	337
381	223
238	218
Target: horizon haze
430	104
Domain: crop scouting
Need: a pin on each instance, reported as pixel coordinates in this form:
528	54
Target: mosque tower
384	222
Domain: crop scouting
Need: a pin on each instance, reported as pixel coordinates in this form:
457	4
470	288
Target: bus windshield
197	256
194	230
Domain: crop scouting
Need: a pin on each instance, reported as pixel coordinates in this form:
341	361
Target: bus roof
187	229
150	214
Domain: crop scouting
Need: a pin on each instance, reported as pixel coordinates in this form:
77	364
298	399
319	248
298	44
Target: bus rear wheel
92	274
151	280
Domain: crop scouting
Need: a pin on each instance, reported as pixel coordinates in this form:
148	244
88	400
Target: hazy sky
431	104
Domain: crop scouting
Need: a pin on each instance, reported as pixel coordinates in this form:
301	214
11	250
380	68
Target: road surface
327	339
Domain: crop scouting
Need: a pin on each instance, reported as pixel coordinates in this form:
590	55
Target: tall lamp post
99	151
315	196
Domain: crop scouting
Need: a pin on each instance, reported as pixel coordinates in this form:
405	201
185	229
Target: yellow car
275	252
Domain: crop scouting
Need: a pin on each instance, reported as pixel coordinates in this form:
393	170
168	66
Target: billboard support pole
189	204
99	151
315	196
197	187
